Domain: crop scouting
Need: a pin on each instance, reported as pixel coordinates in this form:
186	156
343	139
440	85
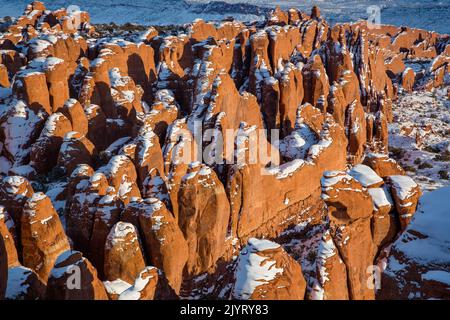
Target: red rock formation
20	127
408	79
73	110
264	271
204	213
134	110
57	73
315	83
163	241
121	175
42	235
31	86
123	255
3	268
7	233
144	287
384	223
14	192
43	152
4	78
75	149
356	132
148	155
80	218
106	216
350	211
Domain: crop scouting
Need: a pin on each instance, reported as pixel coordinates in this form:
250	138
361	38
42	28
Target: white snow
331	178
365	175
286	169
18	128
120	232
262	244
381	197
297	144
431	220
134	292
438	276
117	286
403	186
327	249
420	130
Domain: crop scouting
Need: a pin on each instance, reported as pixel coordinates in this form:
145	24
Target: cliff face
165	157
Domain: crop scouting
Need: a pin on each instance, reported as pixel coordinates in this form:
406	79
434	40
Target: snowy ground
419	137
422	251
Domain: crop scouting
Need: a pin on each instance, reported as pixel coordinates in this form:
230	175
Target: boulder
406	194
383	165
408	79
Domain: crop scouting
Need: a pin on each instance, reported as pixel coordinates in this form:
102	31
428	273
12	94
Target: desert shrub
409	168
432	149
443	174
444	157
397	153
425	165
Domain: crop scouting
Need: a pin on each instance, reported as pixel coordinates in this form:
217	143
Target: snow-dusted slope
426	14
419	264
419	137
